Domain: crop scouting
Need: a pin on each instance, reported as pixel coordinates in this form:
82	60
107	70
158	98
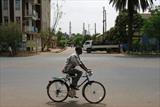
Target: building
32	15
0	11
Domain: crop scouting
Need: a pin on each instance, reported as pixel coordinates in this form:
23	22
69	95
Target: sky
84	11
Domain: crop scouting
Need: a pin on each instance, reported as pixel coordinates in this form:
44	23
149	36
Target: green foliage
121	25
152	26
61	39
60	35
112	35
62	43
78	39
45	38
94	38
10	35
45	34
86	37
119	32
131	5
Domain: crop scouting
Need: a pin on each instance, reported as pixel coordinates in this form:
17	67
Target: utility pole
84	31
95	28
104	20
88	29
70	28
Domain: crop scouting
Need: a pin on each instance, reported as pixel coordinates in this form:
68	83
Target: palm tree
132	5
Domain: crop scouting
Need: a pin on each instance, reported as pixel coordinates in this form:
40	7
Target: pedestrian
10	51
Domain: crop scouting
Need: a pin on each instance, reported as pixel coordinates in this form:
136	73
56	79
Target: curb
59	51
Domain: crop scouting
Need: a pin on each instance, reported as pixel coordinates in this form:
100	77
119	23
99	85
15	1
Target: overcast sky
87	11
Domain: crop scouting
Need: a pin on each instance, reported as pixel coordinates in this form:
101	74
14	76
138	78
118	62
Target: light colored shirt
72	61
10	49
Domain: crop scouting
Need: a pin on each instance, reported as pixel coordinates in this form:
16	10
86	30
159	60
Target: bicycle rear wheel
57	90
94	92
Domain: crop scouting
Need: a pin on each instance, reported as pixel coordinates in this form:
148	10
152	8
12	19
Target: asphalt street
129	81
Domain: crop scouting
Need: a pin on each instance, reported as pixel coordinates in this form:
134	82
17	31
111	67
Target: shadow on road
75	104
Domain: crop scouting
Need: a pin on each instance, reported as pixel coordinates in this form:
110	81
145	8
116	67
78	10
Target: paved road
129	81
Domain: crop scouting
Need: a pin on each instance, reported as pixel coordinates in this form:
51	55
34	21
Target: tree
112	35
10	35
131	5
86	37
46	34
57	14
122	22
152	26
61	39
78	39
45	38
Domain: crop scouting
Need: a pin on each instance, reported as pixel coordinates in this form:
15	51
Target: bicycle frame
67	78
87	79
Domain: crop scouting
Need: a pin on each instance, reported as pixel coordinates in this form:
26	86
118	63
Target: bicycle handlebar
89	72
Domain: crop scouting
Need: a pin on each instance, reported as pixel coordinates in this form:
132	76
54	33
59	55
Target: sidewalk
26	53
55	50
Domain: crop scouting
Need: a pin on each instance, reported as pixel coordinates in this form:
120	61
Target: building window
39	1
27	23
18	20
27	8
5	4
18	5
28	37
6	19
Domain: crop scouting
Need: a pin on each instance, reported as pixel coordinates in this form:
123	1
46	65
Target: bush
10	35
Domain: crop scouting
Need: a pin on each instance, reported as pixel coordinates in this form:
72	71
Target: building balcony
33	15
30	29
36	2
28	16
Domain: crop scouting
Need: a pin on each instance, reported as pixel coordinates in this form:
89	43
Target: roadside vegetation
10	36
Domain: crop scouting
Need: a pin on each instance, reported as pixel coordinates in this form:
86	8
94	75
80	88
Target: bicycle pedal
76	97
70	96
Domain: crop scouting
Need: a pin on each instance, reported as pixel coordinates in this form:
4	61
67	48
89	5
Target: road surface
129	81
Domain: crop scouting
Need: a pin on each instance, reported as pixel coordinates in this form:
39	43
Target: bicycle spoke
94	92
58	91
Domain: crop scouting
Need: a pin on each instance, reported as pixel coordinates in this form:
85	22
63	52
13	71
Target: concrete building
0	11
32	15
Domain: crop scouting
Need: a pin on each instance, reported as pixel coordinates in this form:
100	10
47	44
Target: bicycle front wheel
57	90
94	92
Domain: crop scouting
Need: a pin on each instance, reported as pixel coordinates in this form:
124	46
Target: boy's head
78	50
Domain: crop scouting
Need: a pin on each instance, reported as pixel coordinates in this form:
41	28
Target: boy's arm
83	67
80	63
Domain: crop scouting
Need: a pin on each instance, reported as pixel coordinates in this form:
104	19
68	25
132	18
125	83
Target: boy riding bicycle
59	89
70	68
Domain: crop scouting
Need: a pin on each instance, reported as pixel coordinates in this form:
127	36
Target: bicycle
59	89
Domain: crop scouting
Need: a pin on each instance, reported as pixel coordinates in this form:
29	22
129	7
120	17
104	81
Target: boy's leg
76	78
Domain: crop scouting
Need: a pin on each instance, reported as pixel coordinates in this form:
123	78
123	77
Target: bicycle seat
58	78
71	75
